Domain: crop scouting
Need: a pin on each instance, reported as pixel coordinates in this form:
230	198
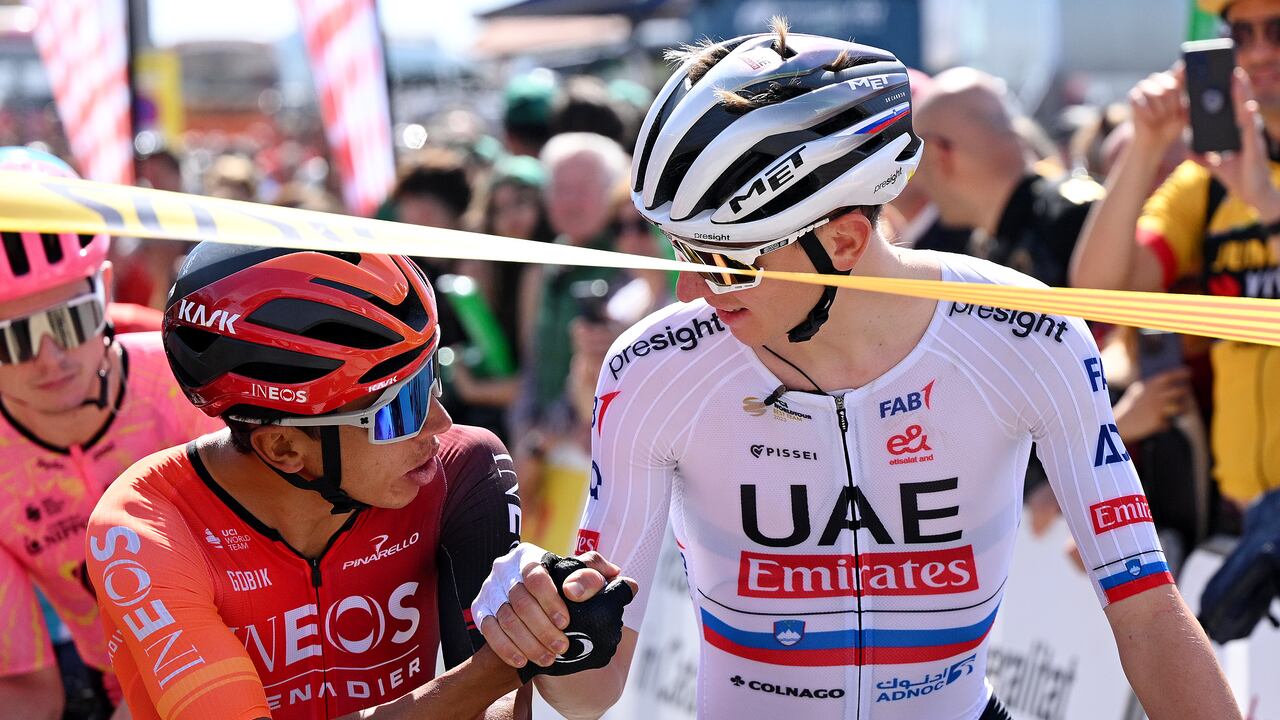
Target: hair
705	54
612	158
241	431
436	173
584	105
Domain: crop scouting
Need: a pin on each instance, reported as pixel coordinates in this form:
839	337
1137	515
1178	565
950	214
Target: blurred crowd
1058	200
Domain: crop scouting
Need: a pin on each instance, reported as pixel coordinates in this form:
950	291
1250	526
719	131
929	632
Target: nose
50	354
690	287
438	420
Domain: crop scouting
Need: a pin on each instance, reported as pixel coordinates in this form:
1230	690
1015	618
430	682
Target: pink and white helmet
33	262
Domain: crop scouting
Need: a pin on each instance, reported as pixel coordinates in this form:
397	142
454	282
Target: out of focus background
517	118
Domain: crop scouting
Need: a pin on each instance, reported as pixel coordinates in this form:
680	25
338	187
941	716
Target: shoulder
462	442
996	331
681	333
151	482
148	365
1186	179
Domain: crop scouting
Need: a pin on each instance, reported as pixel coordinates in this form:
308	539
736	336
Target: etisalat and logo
903	688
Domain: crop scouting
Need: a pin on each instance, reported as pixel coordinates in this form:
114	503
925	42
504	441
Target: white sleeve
632	470
1068	412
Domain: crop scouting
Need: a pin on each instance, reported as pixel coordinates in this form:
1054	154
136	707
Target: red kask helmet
296	332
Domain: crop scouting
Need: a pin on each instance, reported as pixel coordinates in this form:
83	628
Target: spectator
585	105
233	177
977	170
526	114
307	197
582	170
912	218
160	169
1214	219
512	208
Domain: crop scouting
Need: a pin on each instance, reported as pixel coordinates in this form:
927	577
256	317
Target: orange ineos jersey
209	613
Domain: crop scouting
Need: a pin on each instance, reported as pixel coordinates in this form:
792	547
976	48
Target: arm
1106	255
481	522
634	457
1069	413
173	651
466	691
30	683
37	695
1151	628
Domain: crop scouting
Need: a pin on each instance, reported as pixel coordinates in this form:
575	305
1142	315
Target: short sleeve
173	654
481	523
1068	412
1173	221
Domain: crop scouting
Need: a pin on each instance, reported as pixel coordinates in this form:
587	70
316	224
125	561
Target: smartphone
1158	352
592	299
1209	64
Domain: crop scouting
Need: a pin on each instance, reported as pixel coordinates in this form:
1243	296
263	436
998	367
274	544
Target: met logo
1110	448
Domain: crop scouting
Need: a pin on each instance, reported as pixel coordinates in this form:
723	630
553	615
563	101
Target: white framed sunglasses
719	256
70	324
399	414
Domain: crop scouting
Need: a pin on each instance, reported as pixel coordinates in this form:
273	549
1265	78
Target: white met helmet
840	136
755	142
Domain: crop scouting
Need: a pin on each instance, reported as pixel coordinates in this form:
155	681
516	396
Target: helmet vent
86	240
198	340
386	367
336	326
277	373
410	311
16	252
52	247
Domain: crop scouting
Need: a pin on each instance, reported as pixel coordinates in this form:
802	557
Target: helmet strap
818	315
104	370
329	484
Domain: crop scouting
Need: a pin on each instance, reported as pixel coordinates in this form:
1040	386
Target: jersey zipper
843	420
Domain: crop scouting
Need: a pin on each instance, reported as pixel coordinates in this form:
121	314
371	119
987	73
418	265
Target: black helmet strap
818	315
329	484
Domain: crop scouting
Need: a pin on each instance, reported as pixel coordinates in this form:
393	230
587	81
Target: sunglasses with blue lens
400	412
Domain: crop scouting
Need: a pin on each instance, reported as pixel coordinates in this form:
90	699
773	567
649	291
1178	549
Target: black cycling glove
595	625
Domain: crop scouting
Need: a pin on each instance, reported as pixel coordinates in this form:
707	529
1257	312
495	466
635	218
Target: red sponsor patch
1118	512
588	540
935	572
604	402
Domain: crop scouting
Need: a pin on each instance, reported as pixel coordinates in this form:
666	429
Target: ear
847	238
286	448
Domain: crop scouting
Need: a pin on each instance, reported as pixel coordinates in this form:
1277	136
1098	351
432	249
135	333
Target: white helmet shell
839	139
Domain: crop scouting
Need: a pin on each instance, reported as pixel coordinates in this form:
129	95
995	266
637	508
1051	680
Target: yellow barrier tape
46	204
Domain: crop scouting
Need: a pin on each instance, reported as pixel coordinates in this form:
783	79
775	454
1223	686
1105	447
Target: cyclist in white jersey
844	479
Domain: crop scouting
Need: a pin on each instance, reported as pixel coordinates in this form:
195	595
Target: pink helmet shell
33	262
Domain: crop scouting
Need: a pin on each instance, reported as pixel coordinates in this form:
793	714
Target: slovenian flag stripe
847	647
894	115
1128	583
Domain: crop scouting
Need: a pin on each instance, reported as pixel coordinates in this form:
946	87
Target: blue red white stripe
870	646
1135	578
895	114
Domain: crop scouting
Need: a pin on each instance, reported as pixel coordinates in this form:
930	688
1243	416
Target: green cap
528	98
520	169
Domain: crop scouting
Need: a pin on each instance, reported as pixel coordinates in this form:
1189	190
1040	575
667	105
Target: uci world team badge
788	632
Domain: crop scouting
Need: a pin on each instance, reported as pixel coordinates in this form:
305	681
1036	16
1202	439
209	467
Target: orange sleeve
1173	221
174	656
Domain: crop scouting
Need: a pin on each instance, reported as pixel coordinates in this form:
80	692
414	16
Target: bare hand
1246	174
1159	111
528	627
1147	405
